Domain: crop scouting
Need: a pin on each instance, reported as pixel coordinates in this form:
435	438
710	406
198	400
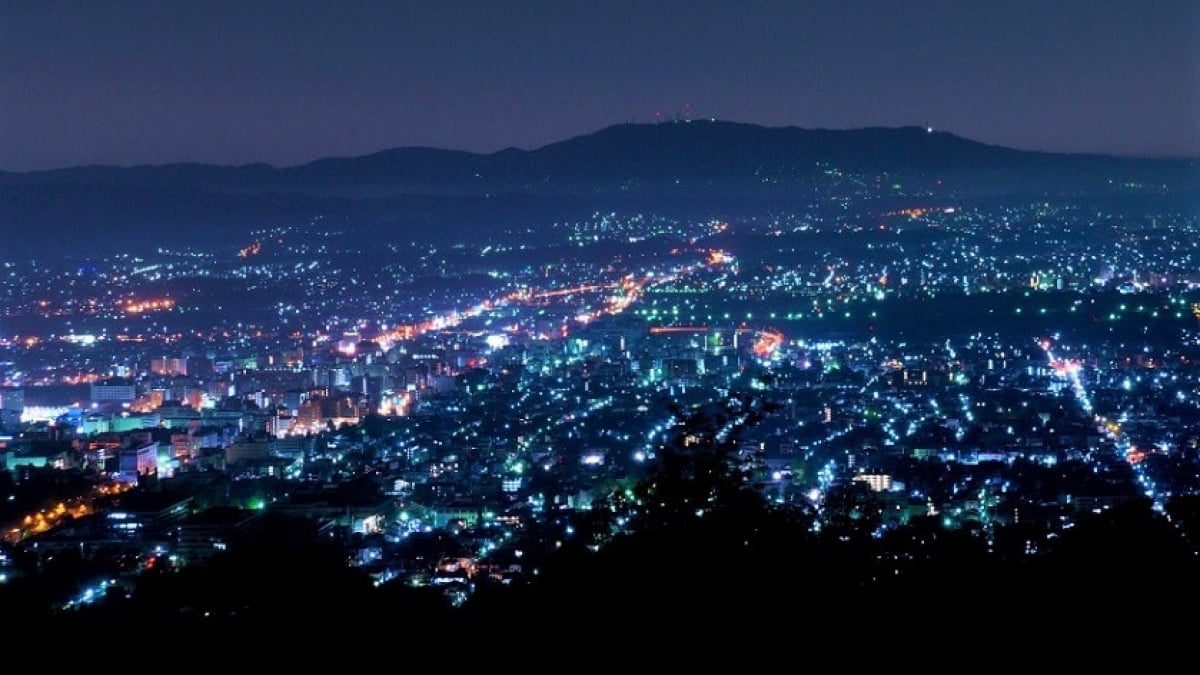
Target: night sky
289	81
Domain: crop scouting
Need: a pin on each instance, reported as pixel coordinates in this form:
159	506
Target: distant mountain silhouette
115	207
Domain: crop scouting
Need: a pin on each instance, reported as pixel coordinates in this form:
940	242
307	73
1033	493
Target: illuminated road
1072	372
765	346
613	297
46	519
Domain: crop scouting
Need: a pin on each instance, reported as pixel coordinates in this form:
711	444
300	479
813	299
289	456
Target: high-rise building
169	367
115	389
139	459
249	447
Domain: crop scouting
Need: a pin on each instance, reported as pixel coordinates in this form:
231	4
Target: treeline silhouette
690	545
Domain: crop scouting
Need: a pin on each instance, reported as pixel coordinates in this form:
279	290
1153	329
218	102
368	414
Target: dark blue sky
292	80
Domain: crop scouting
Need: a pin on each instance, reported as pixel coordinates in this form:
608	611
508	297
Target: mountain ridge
689	169
819	139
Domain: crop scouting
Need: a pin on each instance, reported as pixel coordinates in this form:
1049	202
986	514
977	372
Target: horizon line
629	122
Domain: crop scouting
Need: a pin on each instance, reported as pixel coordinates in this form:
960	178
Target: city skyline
855	321
288	83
